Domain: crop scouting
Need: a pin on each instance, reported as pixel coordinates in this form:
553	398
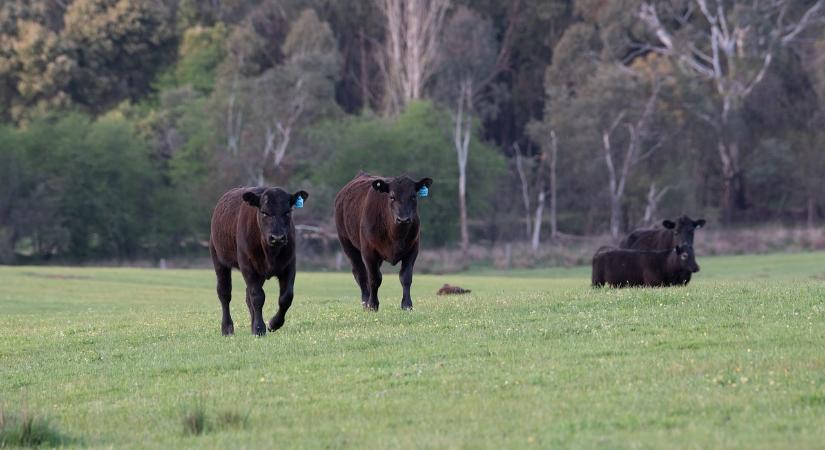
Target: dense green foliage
413	144
79	187
134	358
124	120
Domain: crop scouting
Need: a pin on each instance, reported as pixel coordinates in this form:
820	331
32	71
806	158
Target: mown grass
118	357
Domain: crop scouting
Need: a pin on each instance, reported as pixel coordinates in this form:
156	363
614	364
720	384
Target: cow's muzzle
277	240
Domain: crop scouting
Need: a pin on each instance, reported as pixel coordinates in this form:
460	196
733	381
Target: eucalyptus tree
466	60
730	45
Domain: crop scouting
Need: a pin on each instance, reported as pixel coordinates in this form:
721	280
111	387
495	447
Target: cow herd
377	220
651	257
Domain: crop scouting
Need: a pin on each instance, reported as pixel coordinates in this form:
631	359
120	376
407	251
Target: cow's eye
288	213
684	256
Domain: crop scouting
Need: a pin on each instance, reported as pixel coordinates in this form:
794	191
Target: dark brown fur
252	231
672	234
622	267
450	290
377	221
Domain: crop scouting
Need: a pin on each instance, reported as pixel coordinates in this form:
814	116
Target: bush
417	143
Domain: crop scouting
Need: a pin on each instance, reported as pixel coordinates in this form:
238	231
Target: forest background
547	125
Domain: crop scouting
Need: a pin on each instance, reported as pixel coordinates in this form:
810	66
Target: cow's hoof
259	330
406	307
276	323
228	330
371	307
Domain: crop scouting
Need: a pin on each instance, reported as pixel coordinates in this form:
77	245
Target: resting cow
252	231
675	233
622	267
377	221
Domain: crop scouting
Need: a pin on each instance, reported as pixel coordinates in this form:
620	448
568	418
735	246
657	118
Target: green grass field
116	358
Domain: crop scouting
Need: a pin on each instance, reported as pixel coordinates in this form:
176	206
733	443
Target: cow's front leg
373	264
286	283
224	289
255	294
406	276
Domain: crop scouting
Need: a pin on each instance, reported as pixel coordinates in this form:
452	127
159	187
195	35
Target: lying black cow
621	267
678	233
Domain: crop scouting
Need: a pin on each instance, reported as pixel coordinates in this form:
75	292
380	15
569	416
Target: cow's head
402	194
683	229
274	216
686	258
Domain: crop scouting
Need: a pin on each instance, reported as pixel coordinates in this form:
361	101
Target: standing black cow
252	231
377	221
678	233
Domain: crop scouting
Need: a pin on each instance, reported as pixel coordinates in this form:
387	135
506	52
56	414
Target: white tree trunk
461	141
554	152
234	121
525	192
614	185
811	211
536	240
652	206
413	29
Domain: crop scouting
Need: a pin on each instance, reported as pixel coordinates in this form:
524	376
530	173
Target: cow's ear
669	224
381	186
252	199
298	199
424	182
699	223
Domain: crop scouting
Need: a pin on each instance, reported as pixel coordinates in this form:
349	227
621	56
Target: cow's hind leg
286	282
225	296
358	269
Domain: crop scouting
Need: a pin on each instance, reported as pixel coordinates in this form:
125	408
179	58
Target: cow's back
621	267
223	234
350	208
652	239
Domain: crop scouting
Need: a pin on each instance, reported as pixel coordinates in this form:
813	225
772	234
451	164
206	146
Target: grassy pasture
531	359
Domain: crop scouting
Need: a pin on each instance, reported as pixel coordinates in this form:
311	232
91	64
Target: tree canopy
124	120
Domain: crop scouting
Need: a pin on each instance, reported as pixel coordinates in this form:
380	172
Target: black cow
377	221
622	267
678	233
252	231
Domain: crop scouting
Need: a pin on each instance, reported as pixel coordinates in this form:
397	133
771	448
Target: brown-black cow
678	233
377	221
252	231
623	267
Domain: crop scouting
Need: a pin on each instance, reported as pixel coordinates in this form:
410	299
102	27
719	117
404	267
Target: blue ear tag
423	192
299	203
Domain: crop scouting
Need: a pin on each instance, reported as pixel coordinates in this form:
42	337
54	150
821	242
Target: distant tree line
124	120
